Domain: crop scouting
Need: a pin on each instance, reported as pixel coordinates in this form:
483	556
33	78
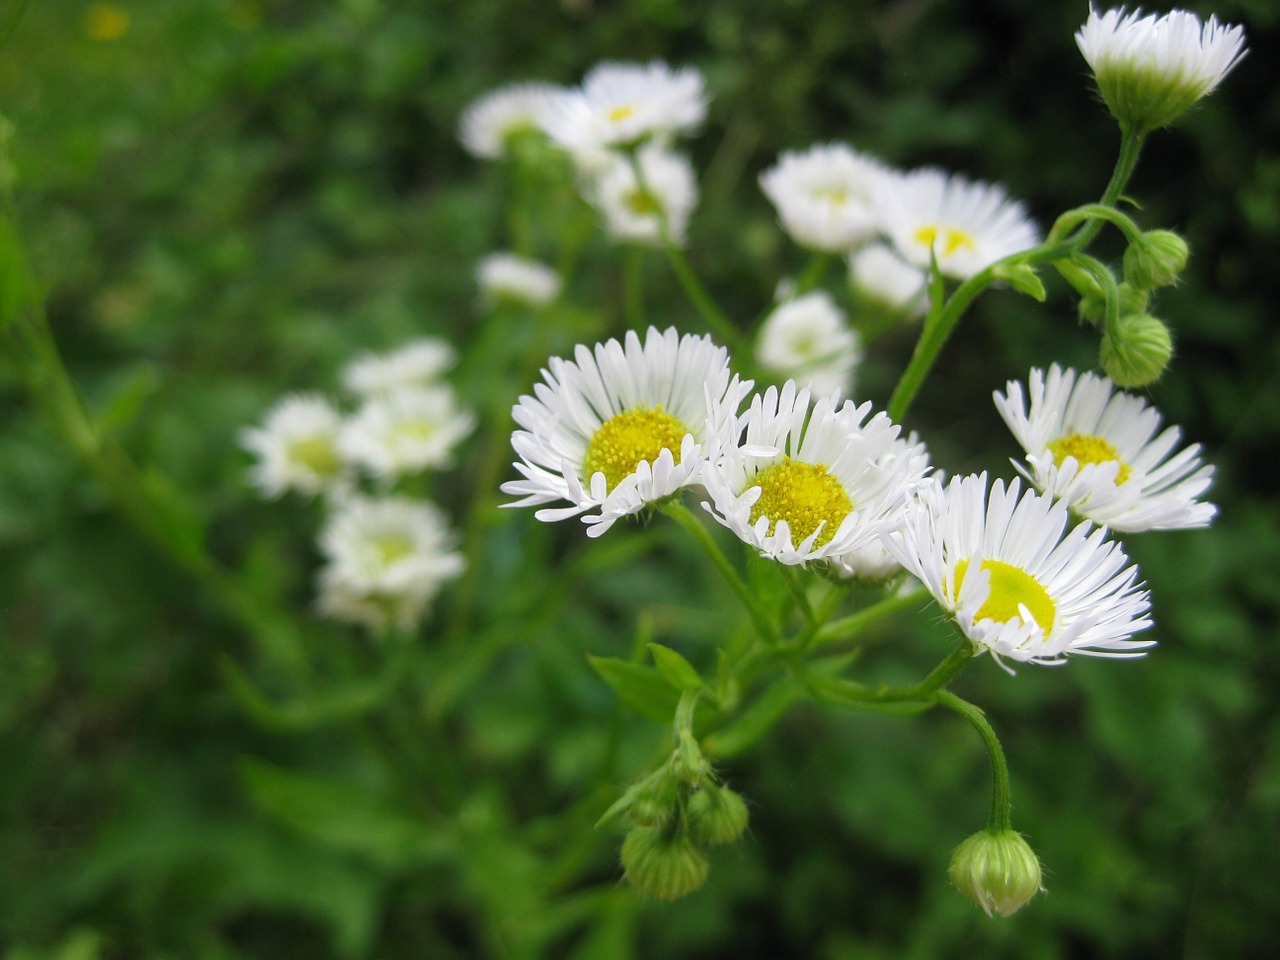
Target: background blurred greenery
227	199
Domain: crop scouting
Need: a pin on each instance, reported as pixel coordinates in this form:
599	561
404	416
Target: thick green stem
1130	149
1001	799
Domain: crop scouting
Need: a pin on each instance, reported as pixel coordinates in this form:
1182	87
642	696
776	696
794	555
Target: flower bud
661	864
1133	299
716	815
1155	259
997	871
655	804
1137	351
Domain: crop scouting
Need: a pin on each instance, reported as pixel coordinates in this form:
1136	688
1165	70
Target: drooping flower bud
716	815
997	871
1155	259
663	864
1137	351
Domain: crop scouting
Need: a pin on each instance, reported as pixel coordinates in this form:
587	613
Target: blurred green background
227	199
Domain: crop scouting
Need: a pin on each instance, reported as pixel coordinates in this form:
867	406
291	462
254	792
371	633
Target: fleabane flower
809	340
418	363
507	277
1099	449
296	446
1151	69
635	212
386	559
491	123
623	104
1015	580
406	431
802	484
884	281
965	225
621	426
824	195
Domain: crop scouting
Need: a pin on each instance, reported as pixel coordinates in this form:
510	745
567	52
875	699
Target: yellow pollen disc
952	240
412	431
317	454
642	203
391	548
837	198
629	437
1011	587
1087	448
618	114
804	495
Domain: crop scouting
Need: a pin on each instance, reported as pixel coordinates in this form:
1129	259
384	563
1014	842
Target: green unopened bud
654	805
1137	351
1092	308
687	762
716	815
1155	259
661	864
997	871
1133	299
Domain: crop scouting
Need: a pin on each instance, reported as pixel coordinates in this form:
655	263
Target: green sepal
1022	278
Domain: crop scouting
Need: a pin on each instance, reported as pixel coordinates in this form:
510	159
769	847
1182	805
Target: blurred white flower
296	447
507	277
634	212
882	278
824	195
491	122
419	363
406	431
809	340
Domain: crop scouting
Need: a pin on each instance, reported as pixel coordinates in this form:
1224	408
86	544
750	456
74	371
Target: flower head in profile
1015	580
492	123
621	426
1151	69
809	340
824	195
407	431
507	277
636	212
1101	450
419	363
386	559
297	447
962	225
623	104
802	484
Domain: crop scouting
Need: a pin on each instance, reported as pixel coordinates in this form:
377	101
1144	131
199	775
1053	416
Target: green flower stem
714	317
680	513
633	286
1001	801
1126	162
848	627
1091	212
814	272
792	577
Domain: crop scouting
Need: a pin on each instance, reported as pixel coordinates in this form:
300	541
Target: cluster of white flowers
386	555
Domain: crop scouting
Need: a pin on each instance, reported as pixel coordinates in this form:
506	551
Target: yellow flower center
316	454
391	548
1011	588
952	239
834	196
412	431
642	203
626	438
1087	448
803	494
618	114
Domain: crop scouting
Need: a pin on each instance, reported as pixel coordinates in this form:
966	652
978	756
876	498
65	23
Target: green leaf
1022	278
127	399
642	688
675	669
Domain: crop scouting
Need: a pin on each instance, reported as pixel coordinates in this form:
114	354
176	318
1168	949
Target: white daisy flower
801	485
880	277
808	339
406	431
386	559
966	225
621	426
622	104
419	363
1015	580
1097	448
506	276
633	212
1150	69
296	447
824	195
491	123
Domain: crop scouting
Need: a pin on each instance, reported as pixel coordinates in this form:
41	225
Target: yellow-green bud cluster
997	870
1136	351
1155	259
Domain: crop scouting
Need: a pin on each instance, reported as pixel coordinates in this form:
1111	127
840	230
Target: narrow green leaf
675	669
1022	278
642	688
127	399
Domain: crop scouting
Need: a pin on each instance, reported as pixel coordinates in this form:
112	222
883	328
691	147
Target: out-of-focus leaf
642	688
675	669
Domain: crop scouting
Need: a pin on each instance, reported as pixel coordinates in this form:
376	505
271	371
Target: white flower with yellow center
492	122
419	363
622	426
801	485
824	195
964	225
1016	581
297	447
406	431
386	559
809	340
635	212
1150	69
515	279
1098	449
882	279
623	104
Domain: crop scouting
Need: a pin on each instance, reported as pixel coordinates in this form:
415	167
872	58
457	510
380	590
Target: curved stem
848	627
1126	162
1001	798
